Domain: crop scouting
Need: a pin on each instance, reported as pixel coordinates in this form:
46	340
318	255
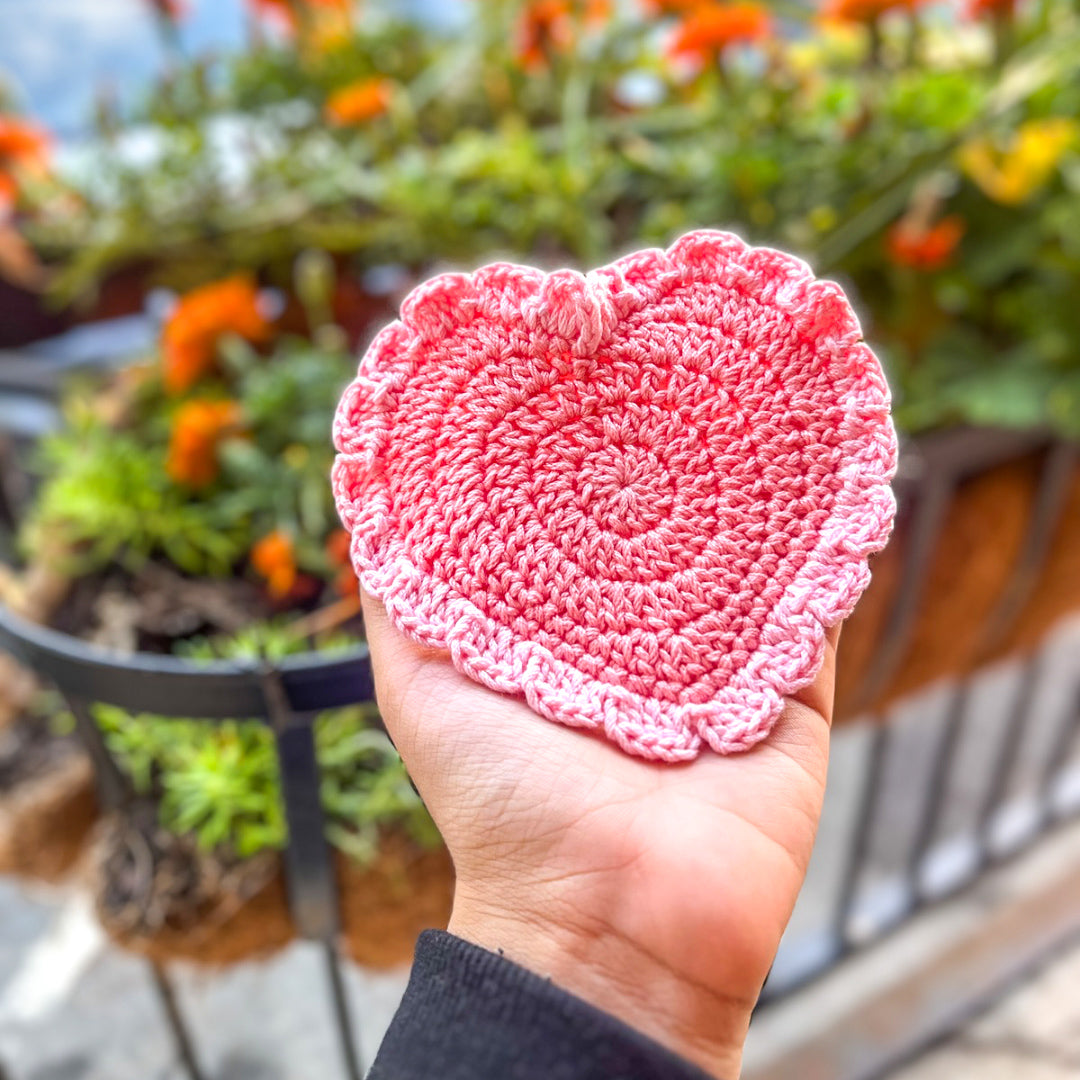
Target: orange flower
669	7
547	26
337	551
288	13
8	190
198	427
274	560
22	143
359	101
337	547
200	320
707	31
864	11
924	247
23	146
978	9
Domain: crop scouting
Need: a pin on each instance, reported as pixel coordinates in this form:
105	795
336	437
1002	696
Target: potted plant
191	869
184	509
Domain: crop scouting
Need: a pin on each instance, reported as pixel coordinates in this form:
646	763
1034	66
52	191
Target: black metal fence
935	858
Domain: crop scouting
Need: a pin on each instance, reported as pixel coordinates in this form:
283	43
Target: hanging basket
159	896
984	562
156	893
47	800
386	904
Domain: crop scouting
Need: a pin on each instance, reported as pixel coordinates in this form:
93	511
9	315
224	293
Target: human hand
656	892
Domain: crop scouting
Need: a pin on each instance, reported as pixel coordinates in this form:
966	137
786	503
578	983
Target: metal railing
931	865
286	697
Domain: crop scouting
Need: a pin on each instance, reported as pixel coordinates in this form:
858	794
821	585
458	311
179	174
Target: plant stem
324	619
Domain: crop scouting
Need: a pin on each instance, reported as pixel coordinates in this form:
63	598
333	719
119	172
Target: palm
697	865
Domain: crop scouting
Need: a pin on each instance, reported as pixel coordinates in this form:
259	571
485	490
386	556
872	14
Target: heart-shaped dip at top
635	497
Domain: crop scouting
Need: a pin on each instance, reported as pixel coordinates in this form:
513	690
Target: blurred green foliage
109	499
220	782
821	139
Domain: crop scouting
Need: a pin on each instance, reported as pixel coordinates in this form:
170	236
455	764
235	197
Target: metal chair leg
309	869
167	997
350	1049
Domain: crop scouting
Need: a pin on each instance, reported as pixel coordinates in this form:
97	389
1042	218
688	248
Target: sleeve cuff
469	1014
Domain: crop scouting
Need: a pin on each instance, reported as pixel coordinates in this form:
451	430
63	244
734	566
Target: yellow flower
1011	176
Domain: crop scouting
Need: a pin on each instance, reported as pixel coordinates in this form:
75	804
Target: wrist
591	958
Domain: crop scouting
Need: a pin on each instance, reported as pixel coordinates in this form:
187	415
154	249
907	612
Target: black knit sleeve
469	1014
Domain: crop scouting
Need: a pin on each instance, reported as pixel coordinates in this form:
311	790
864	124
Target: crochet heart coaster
635	498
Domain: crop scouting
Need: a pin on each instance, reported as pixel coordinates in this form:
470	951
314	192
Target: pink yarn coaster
635	497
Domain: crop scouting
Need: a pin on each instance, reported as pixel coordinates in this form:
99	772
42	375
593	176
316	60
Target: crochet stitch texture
635	497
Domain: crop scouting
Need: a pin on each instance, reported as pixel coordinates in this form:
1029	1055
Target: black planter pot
286	696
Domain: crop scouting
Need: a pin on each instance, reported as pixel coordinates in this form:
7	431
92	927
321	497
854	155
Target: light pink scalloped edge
823	593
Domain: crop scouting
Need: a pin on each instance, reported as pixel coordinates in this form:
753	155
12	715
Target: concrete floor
72	1007
1032	1034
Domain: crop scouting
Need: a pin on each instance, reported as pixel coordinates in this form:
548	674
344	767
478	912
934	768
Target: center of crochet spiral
626	490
